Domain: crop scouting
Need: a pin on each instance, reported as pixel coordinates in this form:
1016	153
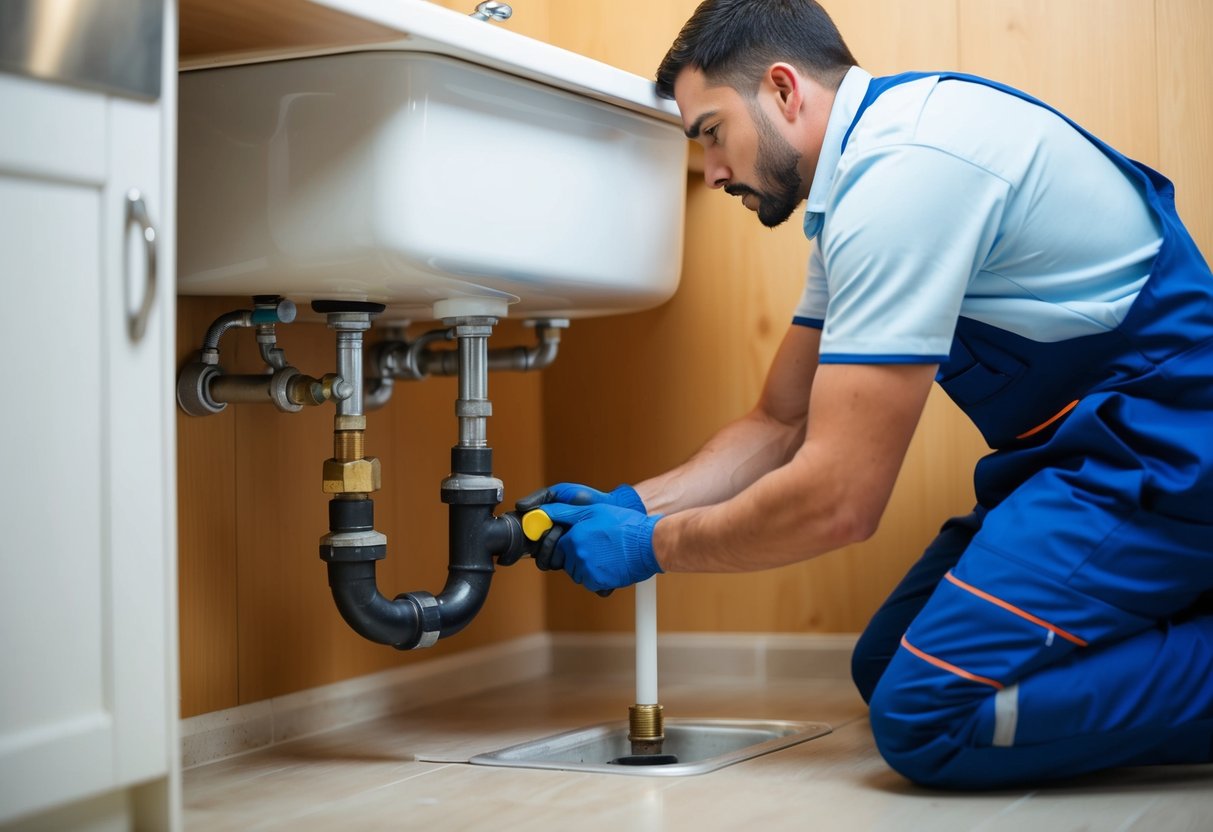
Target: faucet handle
492	10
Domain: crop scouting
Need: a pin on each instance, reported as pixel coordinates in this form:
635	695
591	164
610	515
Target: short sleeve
813	303
907	228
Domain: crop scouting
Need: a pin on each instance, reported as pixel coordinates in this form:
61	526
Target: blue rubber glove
576	494
605	546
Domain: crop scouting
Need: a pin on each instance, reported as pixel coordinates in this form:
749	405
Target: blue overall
1066	625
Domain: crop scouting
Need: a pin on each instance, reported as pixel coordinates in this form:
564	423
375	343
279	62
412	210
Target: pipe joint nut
281	385
194	389
473	408
333	549
429	617
472	489
356	476
347	422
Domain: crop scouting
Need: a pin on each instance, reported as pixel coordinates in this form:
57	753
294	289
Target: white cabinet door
87	549
56	722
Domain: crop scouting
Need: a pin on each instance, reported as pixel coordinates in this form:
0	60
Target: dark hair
733	42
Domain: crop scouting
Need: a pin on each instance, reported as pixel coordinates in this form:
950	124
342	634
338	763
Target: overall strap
1160	191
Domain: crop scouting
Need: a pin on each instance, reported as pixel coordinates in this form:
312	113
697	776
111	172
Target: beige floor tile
368	777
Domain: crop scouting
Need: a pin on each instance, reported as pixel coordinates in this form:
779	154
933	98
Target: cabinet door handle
136	212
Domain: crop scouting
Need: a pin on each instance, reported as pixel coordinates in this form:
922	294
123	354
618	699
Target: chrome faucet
492	10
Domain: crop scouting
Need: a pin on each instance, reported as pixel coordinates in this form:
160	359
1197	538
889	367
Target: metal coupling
351	471
330	387
194	387
646	729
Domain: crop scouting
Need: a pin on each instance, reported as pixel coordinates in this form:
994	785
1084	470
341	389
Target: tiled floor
366	777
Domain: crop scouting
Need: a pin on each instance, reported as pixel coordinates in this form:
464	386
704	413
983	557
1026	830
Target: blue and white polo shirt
954	199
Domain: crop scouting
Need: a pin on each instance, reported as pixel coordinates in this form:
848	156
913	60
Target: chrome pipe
473	407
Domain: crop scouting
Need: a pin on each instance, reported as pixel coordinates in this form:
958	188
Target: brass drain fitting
646	729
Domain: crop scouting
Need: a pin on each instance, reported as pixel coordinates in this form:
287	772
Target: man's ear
785	82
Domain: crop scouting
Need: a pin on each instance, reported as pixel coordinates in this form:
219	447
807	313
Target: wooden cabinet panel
888	36
1185	110
630	34
1092	59
210	28
217	27
206	526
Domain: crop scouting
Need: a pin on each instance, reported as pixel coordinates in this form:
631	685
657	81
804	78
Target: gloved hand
605	546
548	556
576	494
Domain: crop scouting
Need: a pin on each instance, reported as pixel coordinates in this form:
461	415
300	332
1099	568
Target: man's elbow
853	523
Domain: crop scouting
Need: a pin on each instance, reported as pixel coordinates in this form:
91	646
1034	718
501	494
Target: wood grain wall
633	395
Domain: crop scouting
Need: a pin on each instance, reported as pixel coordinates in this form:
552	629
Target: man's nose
715	173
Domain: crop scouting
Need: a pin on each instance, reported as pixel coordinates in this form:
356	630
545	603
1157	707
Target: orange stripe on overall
1049	421
948	666
1016	610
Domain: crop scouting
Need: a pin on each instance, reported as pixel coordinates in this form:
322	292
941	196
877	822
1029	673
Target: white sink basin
431	171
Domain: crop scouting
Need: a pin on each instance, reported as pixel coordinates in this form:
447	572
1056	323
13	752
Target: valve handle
534	523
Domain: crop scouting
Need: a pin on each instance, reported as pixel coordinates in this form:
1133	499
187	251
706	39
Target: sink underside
701	745
411	179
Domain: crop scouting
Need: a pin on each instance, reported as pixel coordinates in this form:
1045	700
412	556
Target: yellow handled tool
534	523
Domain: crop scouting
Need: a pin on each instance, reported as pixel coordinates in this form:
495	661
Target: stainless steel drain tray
701	745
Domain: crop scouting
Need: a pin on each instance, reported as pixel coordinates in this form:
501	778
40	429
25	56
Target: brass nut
356	476
349	423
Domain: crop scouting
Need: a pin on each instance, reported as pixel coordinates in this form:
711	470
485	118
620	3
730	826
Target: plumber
968	234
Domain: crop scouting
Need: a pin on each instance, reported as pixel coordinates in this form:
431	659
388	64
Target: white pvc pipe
646	642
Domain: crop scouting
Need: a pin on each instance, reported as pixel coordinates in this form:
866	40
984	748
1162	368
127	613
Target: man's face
744	152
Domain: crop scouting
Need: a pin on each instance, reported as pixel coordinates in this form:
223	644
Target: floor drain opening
645	760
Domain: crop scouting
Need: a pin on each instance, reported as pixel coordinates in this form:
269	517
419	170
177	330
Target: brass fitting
349	422
646	729
305	390
349	444
352	476
309	391
350	471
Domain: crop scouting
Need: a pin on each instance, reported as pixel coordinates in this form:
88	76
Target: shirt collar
850	95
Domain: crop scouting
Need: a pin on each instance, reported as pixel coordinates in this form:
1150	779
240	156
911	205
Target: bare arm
831	493
757	443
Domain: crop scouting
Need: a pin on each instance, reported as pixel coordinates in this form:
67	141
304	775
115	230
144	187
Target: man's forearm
803	509
833	491
733	459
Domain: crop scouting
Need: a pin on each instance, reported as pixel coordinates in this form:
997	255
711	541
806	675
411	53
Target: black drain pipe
414	619
418	619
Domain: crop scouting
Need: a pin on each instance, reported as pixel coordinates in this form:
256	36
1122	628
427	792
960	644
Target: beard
777	172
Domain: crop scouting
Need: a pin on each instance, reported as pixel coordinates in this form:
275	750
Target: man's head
754	80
